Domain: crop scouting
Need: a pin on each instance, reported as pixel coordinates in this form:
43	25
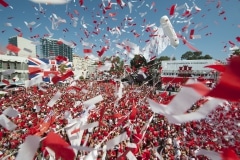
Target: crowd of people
153	140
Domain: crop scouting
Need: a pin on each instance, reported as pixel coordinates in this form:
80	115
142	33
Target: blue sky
218	25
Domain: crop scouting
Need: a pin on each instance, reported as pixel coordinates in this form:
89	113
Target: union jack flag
45	67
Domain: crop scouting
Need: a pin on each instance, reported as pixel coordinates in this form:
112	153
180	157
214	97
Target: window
0	64
8	65
15	65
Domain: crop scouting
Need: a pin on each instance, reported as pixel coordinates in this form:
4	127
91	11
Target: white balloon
169	31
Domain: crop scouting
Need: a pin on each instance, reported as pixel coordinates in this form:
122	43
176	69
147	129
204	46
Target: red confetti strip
3	3
100	53
60	58
112	14
221	13
185	28
186	13
13	48
16	29
172	10
6	81
81	2
119	2
231	43
191	34
218	4
87	51
238	39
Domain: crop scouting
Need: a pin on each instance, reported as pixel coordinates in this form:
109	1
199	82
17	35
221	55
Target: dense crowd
129	113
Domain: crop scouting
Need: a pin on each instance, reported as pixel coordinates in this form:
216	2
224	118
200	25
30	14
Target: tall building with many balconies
26	47
52	47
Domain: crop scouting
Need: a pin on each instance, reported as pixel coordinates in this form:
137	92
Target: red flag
229	87
133	114
33	70
66	75
59	146
229	154
55	79
217	67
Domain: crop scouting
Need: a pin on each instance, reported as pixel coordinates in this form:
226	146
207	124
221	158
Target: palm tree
62	68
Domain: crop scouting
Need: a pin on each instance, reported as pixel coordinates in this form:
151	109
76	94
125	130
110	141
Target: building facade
19	66
27	48
83	67
179	71
52	47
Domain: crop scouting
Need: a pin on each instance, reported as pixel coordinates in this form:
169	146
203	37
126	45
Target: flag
59	146
46	123
45	67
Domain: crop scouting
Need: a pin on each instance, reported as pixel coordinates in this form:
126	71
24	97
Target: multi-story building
19	66
83	67
27	47
52	47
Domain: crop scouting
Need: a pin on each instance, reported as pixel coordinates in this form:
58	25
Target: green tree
117	66
160	59
81	78
236	52
165	58
138	61
62	68
189	55
207	56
